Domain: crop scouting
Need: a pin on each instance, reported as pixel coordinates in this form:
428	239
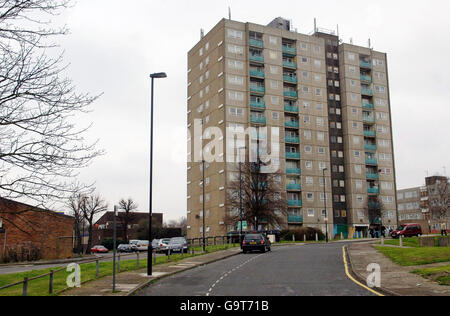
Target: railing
365	64
370	133
294	186
366	91
370	147
291	124
295	203
373	190
372	176
371	161
366	78
292	140
257	89
289	64
292	155
257	73
289	50
258	120
290	79
295	219
292	109
368	106
368	119
257	58
291	94
256	43
258	105
296	171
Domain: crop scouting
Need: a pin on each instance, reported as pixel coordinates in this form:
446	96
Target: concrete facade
247	75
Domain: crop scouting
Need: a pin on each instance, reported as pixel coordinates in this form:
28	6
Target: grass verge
408	242
40	287
440	275
416	256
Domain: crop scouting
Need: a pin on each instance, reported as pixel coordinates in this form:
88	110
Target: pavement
130	282
395	279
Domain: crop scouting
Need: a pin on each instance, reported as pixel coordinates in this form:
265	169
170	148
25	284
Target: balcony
295	219
368	106
256	43
257	89
258	105
371	161
257	120
256	58
366	78
374	205
366	91
295	203
291	109
372	176
370	134
368	119
292	155
292	140
295	171
291	124
291	94
289	50
365	64
257	74
373	190
370	147
294	187
289	64
290	79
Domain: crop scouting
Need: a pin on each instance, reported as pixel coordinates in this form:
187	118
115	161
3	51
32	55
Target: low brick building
32	233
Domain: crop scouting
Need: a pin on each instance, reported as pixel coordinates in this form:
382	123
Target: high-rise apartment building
326	103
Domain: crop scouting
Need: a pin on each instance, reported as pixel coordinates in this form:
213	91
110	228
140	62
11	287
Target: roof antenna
229	13
351	40
337	29
202	33
370	46
315	25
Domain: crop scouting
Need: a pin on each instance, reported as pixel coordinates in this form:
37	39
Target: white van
142	245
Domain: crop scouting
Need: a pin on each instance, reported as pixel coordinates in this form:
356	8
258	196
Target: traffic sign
244	225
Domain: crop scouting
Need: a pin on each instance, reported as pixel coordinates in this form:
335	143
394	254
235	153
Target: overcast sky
114	46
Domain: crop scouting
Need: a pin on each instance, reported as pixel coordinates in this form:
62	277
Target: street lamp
240	194
150	214
325	203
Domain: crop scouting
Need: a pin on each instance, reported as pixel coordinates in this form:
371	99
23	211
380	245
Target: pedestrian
371	233
383	231
444	229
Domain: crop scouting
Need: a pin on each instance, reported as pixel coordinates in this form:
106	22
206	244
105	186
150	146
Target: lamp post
203	203
325	204
150	214
240	195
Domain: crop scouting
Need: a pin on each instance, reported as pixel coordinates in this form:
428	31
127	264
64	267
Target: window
351	56
308	164
321	151
273	40
275	116
382	116
304	60
234	49
311	213
358	169
352	69
310	196
380	89
320	121
304	46
207	61
235	34
318	92
309	180
237	112
308	149
317	63
378	62
357	154
274	84
275	100
307	134
361	214
236	96
207	74
381	102
273	55
274	70
320	136
235	64
235	80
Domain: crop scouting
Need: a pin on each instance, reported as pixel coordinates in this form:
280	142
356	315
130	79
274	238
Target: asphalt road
311	270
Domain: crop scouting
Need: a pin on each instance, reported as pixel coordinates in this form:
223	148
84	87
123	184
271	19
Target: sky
114	45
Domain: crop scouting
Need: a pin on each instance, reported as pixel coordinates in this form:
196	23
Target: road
308	270
31	267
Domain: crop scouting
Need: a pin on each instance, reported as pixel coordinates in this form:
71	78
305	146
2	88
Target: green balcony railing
366	91
368	106
374	205
289	50
257	58
290	79
292	109
293	155
372	176
291	94
291	124
371	161
368	119
294	186
289	64
256	43
370	133
370	147
295	219
373	190
258	105
295	203
257	73
365	64
366	78
296	171
257	120
257	89
292	140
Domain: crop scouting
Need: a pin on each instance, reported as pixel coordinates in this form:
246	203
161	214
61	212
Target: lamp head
158	75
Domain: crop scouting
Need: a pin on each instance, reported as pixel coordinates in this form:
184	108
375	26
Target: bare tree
439	199
91	205
41	149
180	223
75	205
262	202
127	216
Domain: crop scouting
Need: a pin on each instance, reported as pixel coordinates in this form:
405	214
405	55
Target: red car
407	230
99	249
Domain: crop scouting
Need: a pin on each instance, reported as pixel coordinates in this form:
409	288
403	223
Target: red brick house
32	233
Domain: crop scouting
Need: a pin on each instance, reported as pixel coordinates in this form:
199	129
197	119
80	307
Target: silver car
178	244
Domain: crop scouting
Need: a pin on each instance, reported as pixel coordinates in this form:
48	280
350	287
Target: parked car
407	230
156	244
127	248
177	244
163	245
254	242
99	249
142	245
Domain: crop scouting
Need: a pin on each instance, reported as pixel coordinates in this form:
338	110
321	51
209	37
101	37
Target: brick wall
30	230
